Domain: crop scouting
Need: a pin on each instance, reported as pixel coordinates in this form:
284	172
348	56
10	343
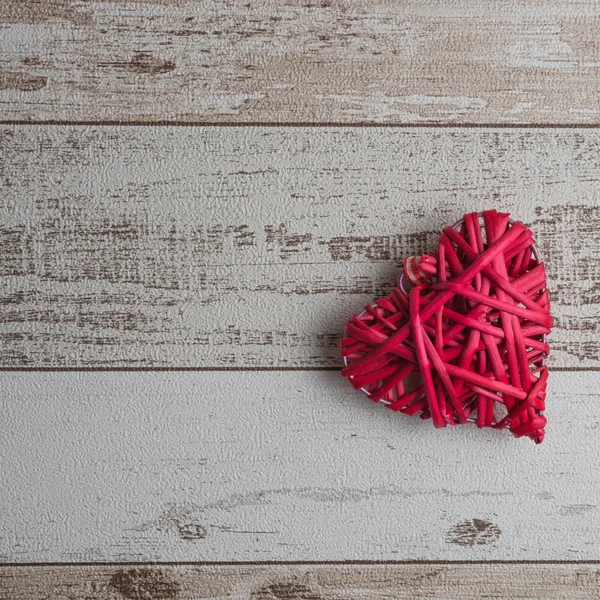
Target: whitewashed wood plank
301	582
250	247
283	466
325	61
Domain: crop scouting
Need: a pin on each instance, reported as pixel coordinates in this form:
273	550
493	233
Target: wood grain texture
301	582
250	247
296	61
283	466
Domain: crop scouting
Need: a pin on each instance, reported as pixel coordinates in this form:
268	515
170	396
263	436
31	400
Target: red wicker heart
469	340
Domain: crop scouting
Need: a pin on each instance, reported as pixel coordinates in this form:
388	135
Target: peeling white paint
542	51
519	107
458	101
383	106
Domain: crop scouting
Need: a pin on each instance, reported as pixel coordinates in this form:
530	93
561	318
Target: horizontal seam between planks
215	369
369	124
306	563
298	563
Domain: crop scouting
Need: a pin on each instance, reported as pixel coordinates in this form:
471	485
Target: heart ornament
467	342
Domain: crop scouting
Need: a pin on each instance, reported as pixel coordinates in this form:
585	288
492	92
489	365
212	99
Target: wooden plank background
476	61
236	251
300	582
282	466
251	247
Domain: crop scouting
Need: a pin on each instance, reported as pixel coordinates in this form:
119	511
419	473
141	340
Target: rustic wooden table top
194	199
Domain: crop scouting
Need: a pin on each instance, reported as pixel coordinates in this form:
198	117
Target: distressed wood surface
250	247
301	582
283	466
525	61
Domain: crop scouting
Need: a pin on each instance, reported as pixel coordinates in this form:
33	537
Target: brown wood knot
191	531
477	532
289	590
145	584
143	62
22	82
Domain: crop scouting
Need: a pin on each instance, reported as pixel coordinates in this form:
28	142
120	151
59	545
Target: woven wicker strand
467	343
